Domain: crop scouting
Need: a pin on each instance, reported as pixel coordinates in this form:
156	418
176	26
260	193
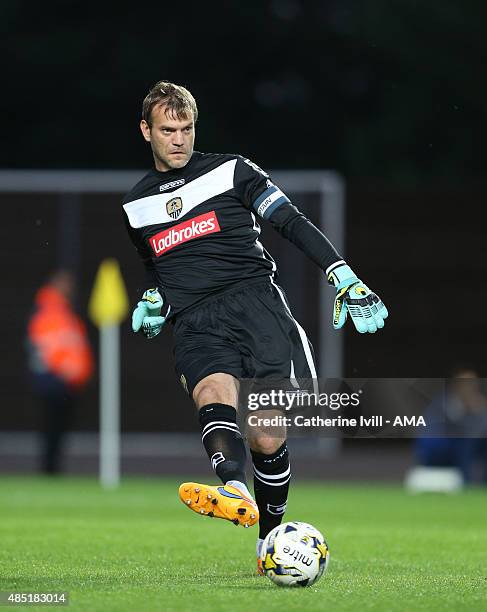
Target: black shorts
249	333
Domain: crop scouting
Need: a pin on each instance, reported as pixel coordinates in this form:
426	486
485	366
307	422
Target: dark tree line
382	88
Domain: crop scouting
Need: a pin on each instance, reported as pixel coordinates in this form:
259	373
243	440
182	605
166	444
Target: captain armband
268	201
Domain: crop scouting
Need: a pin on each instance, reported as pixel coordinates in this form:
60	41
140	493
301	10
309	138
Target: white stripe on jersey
151	210
261	246
256	227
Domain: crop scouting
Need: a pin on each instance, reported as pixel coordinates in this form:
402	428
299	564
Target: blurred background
390	95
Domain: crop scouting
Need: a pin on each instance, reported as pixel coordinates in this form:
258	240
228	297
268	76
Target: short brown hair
176	97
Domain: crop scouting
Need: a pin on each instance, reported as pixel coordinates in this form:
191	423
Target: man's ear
145	129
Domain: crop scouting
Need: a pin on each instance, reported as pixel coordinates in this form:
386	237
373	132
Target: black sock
271	484
223	441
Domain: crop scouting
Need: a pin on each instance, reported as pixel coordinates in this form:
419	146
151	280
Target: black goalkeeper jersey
195	227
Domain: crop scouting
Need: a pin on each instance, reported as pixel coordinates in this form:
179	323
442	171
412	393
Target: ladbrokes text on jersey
194	228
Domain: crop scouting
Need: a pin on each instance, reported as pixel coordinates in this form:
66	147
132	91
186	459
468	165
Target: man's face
171	139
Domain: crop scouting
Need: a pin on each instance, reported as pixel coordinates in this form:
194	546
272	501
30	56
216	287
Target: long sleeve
145	256
293	225
259	194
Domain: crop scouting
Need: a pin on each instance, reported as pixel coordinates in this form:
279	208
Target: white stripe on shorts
304	340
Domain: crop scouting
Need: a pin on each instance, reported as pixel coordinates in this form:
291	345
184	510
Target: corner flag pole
107	308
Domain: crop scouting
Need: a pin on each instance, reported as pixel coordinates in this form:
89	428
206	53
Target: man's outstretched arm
366	309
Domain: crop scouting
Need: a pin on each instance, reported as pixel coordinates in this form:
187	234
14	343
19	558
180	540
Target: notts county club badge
174	207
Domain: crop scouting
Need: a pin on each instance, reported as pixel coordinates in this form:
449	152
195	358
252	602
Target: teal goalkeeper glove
147	314
366	309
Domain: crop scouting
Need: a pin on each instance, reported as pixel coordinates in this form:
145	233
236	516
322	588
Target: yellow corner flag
108	302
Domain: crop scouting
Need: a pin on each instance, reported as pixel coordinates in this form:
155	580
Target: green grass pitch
138	548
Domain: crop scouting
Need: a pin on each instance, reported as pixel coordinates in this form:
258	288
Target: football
294	554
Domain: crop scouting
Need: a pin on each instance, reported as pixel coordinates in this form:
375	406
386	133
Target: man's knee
266	444
216	389
266	439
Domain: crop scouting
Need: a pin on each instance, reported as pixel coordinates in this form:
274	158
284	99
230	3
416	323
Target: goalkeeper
192	219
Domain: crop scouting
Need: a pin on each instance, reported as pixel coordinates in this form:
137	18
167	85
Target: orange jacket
59	339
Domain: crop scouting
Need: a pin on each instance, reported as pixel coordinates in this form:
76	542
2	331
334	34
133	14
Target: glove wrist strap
340	274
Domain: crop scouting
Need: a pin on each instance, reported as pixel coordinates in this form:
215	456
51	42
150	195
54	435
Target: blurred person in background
60	362
458	419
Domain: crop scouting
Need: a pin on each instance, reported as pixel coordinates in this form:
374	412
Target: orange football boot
225	502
